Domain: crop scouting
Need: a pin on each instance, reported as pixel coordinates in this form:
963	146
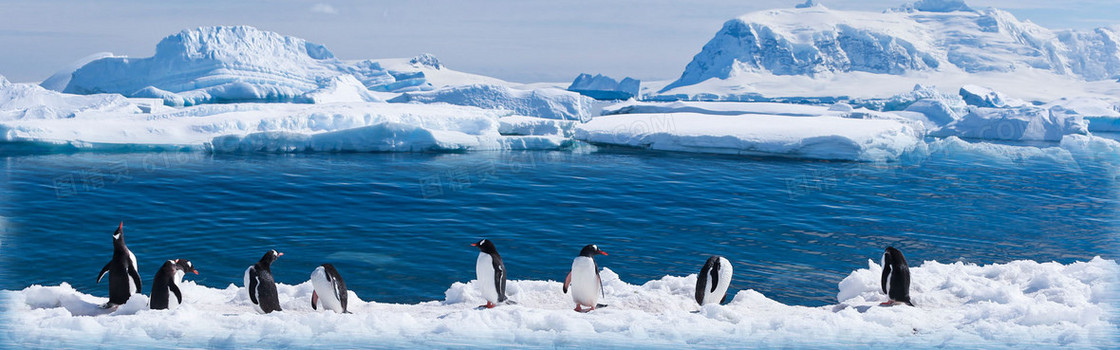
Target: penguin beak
195	271
602	252
279	254
474	244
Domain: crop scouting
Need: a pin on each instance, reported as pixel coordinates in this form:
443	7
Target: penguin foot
579	308
109	306
887	303
488	305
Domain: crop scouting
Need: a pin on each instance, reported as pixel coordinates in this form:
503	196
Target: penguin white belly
255	305
179	277
585	282
132	287
484	268
725	273
326	290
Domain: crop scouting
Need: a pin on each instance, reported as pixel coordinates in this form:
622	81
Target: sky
515	40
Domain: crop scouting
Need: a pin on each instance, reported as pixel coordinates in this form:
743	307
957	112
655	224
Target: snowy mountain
244	64
602	87
928	36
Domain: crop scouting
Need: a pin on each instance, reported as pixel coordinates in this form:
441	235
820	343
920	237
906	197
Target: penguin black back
164	283
124	279
260	284
895	281
710	272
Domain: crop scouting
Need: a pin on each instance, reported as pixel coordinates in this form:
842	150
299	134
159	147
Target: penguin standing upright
712	283
261	286
491	273
124	278
329	289
584	279
167	281
896	277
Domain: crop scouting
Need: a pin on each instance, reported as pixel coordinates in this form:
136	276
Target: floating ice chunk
825	137
1022	123
602	87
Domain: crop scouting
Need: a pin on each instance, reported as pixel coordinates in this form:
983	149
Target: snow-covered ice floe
821	137
1020	303
545	103
352	126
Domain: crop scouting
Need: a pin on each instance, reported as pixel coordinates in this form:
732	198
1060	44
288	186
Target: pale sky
516	40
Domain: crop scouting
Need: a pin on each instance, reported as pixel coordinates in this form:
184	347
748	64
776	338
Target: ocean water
398	226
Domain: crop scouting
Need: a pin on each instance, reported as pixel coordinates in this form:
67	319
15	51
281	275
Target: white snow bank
355	126
824	137
543	103
1021	303
30	101
1022	123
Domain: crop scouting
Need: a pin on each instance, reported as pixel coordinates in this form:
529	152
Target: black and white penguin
712	283
124	276
330	289
261	286
896	277
491	273
167	281
584	279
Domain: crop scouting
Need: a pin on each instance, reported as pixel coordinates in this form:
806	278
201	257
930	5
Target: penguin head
270	256
185	265
892	256
591	250
119	234
485	246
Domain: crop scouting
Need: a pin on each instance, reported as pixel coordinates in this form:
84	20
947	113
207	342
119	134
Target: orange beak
602	252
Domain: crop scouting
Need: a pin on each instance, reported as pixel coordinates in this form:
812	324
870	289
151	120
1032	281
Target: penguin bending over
584	279
167	281
330	289
713	281
261	286
896	278
491	273
124	276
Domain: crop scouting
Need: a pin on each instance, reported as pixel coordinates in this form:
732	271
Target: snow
29	101
985	97
602	87
1015	304
822	137
543	103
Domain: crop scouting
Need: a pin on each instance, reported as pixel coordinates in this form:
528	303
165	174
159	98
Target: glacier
1019	303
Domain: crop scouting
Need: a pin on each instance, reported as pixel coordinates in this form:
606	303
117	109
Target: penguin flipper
104	270
567	281
175	289
314	299
500	279
136	278
253	282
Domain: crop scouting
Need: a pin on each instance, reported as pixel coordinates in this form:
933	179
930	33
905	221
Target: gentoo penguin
124	278
261	286
491	273
712	283
167	280
896	277
584	278
330	289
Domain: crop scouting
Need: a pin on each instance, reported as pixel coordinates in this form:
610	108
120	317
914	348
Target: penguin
896	278
261	286
167	280
712	283
124	278
330	289
584	279
491	273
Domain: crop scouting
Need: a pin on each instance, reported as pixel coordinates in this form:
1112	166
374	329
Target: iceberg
1026	123
1015	304
985	97
543	103
601	87
29	101
821	137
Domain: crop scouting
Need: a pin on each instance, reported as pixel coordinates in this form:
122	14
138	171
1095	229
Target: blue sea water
398	226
